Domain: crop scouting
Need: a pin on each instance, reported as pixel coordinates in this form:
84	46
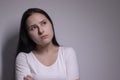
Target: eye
43	23
31	28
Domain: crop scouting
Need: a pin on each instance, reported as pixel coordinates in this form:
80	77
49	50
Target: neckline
43	65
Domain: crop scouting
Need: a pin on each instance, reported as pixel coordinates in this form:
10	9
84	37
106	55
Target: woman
39	56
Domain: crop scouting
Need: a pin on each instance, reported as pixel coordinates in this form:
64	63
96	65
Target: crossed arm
30	78
23	72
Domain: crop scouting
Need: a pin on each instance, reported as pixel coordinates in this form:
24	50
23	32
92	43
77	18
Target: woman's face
39	29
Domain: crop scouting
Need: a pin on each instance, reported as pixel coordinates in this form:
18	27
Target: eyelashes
34	27
43	23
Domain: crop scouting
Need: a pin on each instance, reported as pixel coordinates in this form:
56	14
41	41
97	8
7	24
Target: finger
25	78
28	78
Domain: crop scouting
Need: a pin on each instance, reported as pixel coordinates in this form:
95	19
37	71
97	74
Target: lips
44	37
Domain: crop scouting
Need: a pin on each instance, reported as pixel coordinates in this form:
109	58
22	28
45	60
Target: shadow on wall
8	57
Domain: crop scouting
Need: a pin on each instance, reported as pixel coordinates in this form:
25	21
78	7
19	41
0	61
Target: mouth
44	37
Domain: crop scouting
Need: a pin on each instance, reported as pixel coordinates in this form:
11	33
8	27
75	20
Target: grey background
91	27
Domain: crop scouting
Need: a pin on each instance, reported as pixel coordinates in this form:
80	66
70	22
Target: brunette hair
25	44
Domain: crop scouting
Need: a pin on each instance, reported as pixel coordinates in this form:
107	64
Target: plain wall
91	27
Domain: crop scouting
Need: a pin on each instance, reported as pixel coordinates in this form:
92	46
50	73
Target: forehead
35	17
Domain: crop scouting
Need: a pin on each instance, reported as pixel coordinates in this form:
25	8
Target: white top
64	68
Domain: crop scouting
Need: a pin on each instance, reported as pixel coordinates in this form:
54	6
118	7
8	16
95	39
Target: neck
45	49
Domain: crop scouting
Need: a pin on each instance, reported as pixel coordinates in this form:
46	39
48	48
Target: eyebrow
43	20
35	24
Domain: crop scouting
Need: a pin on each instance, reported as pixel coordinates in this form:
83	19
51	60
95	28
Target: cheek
50	29
51	32
33	36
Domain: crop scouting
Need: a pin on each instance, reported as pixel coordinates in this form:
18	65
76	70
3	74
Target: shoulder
68	51
22	55
22	59
68	48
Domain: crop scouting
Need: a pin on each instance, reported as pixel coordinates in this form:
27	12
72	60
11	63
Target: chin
44	43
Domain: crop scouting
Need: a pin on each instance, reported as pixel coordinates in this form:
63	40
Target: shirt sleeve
22	68
72	64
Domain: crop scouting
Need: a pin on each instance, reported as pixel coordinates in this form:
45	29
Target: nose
40	31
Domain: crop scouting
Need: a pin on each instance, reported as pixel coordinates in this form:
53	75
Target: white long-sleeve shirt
64	68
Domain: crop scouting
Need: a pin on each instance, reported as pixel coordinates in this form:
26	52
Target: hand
28	78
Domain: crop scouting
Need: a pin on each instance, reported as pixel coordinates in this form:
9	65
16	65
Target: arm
22	68
78	79
72	65
28	78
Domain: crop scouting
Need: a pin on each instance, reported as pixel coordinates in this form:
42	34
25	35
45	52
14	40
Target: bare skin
41	32
28	78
